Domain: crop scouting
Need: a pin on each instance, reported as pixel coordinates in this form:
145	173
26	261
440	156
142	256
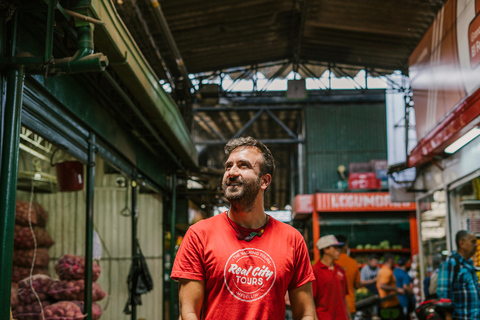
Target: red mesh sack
20	273
96	309
24	257
71	267
74	290
38	215
13	295
30	311
40	283
22	238
63	310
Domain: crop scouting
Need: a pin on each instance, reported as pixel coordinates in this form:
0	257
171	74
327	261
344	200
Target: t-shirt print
250	274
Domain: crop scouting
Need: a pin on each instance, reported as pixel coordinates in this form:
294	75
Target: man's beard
244	195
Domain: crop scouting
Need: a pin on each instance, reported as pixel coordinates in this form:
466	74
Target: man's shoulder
339	268
346	261
208	224
399	271
384	270
285	228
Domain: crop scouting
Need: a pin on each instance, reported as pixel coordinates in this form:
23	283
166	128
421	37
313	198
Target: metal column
134	239
8	182
172	245
89	226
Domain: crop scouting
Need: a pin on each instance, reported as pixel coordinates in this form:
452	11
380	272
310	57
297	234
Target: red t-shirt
243	280
329	291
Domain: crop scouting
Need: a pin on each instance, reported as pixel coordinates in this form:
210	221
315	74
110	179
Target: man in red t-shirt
241	263
330	286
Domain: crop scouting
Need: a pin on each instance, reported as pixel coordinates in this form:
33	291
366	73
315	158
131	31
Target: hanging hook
126	212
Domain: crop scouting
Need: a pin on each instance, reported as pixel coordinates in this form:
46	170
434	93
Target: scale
42	181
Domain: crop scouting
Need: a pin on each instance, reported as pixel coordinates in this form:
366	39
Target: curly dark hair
268	165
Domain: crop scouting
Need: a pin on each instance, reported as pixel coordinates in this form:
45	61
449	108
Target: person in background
368	274
330	284
368	277
458	281
352	272
405	282
240	264
387	287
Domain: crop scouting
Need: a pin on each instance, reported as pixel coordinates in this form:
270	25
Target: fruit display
362	293
476	257
385	245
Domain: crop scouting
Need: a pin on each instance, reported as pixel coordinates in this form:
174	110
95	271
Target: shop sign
335	202
304	203
474	40
371	201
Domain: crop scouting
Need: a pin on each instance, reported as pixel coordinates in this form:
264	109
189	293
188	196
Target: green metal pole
89	226
172	245
8	182
134	238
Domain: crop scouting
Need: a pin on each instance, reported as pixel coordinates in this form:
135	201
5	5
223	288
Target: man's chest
330	277
248	272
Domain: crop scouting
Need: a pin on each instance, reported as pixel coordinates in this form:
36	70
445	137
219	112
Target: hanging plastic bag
139	280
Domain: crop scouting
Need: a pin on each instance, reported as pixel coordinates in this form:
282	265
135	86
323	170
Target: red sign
336	202
371	201
304	203
474	42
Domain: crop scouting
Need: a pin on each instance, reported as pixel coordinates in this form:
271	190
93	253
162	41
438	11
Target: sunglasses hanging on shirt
252	235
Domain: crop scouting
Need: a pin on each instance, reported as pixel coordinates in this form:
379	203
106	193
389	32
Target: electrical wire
34	249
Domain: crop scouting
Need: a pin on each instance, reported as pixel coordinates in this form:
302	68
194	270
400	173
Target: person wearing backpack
458	281
430	282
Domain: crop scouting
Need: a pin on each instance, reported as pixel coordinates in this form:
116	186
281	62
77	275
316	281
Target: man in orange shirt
386	284
352	272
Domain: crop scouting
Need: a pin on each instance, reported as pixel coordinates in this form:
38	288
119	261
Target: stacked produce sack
23	242
61	299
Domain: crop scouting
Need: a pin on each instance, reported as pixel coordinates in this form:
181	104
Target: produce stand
363	211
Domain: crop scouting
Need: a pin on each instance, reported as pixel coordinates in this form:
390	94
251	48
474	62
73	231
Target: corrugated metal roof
217	35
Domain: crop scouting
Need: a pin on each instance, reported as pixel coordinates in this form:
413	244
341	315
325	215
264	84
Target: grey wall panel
339	134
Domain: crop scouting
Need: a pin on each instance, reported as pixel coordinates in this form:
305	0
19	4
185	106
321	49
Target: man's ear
266	180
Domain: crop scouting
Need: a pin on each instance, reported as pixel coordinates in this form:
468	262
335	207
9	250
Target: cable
34	248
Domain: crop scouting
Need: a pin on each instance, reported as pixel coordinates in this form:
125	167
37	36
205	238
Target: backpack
430	283
434	309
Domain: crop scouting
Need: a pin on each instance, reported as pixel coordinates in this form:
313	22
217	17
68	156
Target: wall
339	134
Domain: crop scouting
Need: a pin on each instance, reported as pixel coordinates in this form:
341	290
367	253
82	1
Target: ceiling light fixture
466	138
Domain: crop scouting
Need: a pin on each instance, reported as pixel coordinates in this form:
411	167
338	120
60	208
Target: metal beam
134	240
281	124
162	22
155	48
8	182
248	124
218	134
266	141
90	189
172	246
247	108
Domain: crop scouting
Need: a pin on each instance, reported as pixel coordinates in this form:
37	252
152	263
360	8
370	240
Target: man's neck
464	254
253	219
327	260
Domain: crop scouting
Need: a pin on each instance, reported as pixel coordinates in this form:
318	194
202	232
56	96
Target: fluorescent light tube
466	138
